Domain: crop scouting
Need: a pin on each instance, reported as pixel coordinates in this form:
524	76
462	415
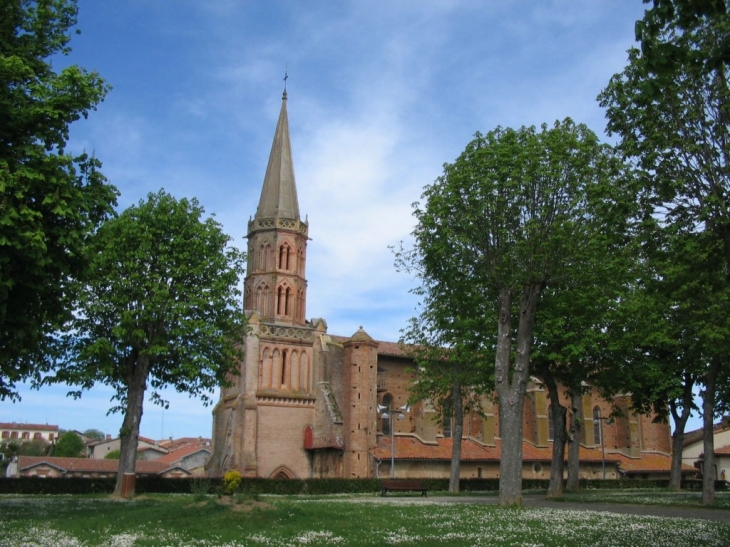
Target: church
309	404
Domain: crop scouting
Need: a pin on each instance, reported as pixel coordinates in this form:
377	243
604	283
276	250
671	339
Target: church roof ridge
279	192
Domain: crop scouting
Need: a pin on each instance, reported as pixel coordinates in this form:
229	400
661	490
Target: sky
380	95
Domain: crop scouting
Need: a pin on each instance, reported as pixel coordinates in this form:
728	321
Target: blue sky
381	94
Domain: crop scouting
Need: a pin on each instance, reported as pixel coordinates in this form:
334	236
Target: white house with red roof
27	432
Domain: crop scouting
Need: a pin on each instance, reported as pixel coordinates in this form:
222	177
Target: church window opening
283	367
284	257
386	423
286	301
280	301
597	429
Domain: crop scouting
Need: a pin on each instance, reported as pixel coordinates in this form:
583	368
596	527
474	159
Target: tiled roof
180	453
411	448
723	451
649	463
691	437
86	465
38	427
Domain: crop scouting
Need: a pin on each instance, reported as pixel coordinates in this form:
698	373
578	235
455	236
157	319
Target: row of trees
546	252
140	301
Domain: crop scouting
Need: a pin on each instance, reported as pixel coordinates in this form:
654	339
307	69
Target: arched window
284	355
386	416
597	425
280	301
262	258
281	257
286	301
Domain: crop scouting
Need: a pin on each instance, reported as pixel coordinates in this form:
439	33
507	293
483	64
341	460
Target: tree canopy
517	211
671	109
50	201
69	445
162	309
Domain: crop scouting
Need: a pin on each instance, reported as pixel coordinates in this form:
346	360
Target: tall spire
279	193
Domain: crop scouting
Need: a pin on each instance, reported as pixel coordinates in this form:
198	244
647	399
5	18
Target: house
48	467
693	448
192	457
27	432
147	449
305	402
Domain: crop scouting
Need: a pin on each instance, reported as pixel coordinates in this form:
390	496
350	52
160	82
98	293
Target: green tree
50	201
448	347
113	455
162	309
36	447
511	215
94	434
671	108
69	445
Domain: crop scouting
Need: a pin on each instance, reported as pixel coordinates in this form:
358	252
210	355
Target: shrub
231	482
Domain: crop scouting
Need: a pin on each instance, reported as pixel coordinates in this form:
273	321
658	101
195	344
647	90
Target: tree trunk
129	433
511	386
576	430
457	434
558	413
708	417
680	422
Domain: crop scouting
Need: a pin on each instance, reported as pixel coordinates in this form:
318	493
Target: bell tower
275	286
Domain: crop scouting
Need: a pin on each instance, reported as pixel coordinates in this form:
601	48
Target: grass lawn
649	497
174	520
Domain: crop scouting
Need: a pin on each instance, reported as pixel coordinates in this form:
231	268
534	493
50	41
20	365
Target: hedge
153	484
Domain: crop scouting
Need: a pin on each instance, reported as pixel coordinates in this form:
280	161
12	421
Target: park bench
403	486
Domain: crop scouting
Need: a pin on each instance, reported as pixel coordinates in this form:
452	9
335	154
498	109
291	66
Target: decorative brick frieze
296	334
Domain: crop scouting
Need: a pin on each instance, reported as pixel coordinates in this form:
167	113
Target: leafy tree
69	445
50	201
448	348
162	309
671	108
511	215
36	447
574	332
94	434
113	455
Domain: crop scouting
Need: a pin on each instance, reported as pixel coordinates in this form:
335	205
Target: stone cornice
277	223
286	332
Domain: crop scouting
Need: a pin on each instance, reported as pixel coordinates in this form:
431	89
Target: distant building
149	449
305	402
693	449
47	467
27	432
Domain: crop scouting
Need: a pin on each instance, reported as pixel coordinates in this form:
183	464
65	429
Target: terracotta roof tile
86	465
39	427
180	453
411	448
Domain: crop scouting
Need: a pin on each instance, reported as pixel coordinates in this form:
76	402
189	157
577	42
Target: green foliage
69	445
94	434
50	201
231	482
161	310
518	213
113	455
36	447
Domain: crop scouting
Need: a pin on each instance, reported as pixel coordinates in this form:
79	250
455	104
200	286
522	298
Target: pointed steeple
279	193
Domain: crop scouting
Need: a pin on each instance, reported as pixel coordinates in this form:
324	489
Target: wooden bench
403	486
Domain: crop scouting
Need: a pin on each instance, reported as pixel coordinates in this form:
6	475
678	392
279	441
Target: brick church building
306	402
